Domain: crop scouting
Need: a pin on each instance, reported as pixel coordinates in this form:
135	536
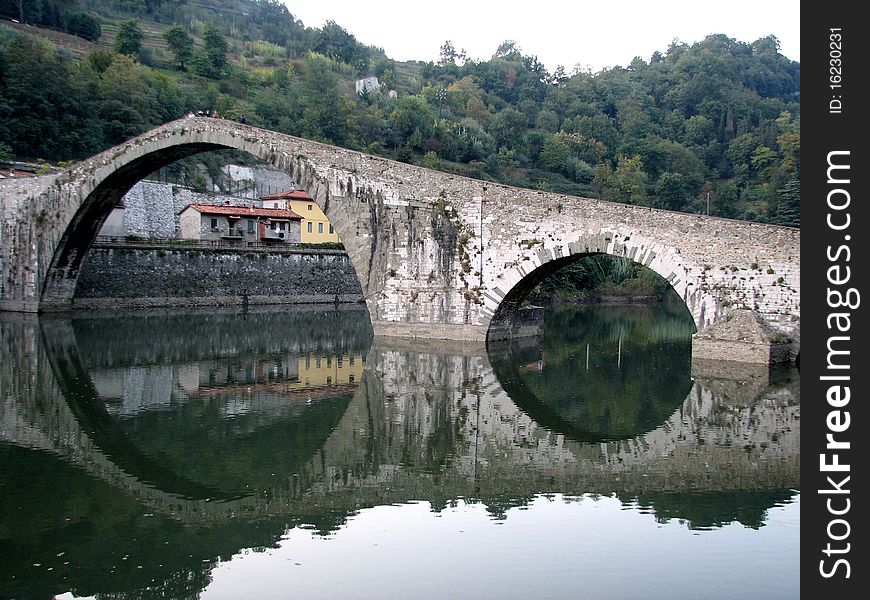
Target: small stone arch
513	285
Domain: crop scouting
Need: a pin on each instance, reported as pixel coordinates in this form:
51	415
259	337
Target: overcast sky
592	35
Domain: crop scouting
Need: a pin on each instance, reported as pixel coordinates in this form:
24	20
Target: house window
309	226
214	223
331	230
309	207
250	226
320	228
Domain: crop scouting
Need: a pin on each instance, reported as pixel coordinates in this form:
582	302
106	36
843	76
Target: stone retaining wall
133	277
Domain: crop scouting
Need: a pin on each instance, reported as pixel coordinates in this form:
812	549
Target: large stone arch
104	179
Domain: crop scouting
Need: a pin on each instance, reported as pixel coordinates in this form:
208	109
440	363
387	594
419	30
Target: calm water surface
285	453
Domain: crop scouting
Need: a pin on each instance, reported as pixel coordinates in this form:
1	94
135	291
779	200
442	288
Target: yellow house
316	228
323	370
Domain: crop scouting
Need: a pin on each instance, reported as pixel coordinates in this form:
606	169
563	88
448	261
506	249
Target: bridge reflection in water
139	451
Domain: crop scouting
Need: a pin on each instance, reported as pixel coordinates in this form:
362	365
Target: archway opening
579	278
188	225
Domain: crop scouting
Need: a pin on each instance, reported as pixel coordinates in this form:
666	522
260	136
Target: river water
286	453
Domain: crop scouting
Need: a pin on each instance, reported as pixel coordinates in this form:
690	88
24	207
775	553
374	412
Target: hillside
710	126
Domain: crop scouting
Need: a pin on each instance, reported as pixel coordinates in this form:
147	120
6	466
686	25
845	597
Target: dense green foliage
709	127
55	14
129	38
597	277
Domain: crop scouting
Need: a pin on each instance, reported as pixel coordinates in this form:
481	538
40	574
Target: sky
591	35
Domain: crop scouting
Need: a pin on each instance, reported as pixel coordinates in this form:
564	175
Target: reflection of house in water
318	370
243	384
293	377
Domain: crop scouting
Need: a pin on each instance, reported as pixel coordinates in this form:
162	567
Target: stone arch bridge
437	255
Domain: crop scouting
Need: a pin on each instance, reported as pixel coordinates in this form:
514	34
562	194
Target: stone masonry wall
134	277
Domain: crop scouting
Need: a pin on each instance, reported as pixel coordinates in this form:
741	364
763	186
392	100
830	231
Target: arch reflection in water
230	402
425	422
603	372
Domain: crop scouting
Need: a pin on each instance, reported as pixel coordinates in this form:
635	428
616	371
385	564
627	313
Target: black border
823	131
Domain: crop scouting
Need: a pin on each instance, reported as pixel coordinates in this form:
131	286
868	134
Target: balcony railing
270	234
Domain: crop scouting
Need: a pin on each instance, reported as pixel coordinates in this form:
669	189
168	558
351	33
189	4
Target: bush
322	246
83	25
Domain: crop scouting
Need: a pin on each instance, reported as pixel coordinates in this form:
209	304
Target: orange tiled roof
244	211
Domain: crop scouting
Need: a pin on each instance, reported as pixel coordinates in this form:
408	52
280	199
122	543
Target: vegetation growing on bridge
709	127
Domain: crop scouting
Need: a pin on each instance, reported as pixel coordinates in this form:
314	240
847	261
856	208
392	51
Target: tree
324	111
556	154
448	54
337	43
99	60
129	38
628	182
411	121
547	120
509	50
211	60
671	191
788	206
126	100
215	47
180	43
83	25
508	127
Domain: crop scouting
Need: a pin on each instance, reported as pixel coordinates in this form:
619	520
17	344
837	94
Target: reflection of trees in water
243	454
569	325
707	510
111	546
602	372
